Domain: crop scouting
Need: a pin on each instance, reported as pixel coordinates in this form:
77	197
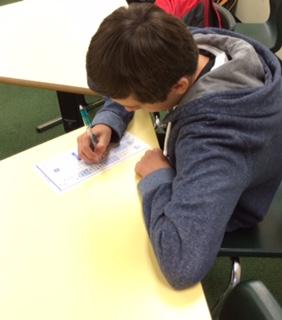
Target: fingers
151	161
153	154
86	150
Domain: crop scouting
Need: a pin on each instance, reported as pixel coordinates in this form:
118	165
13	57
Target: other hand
85	148
151	161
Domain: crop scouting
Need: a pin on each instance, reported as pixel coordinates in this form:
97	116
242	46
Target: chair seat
262	32
265	240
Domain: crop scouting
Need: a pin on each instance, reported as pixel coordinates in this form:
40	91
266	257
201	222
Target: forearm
114	116
181	249
186	226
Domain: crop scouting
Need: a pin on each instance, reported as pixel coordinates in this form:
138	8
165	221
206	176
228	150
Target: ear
181	86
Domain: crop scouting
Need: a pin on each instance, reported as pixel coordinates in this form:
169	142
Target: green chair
250	300
264	240
227	19
269	32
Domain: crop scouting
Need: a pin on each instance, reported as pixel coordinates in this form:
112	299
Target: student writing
224	151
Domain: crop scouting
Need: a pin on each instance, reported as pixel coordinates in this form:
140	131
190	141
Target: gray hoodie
225	148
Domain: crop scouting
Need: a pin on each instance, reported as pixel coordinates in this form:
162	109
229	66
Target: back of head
140	51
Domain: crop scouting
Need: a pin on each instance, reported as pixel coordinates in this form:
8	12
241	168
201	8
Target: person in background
221	163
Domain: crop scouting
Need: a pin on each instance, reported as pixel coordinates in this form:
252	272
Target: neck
176	98
202	62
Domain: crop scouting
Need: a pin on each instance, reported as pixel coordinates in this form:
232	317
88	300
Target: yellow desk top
44	42
82	254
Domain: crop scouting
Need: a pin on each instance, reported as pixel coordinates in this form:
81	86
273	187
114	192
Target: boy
224	136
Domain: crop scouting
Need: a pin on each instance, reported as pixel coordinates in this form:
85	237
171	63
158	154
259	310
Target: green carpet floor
22	109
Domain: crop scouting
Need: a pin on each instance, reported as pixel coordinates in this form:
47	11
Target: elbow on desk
183	278
181	268
184	257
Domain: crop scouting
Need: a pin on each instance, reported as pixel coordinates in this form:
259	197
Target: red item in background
198	13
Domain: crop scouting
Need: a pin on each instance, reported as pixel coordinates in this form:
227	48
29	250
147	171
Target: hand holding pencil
94	142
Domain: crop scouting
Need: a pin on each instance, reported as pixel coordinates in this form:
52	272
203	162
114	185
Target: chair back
265	240
275	23
270	32
250	300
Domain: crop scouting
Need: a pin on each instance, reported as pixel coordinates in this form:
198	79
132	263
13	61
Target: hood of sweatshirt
240	86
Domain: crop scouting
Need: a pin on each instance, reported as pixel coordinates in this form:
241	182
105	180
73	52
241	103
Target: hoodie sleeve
186	210
115	116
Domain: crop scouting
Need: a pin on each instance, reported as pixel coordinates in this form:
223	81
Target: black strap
209	65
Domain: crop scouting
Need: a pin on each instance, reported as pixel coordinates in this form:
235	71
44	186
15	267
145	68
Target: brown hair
140	51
